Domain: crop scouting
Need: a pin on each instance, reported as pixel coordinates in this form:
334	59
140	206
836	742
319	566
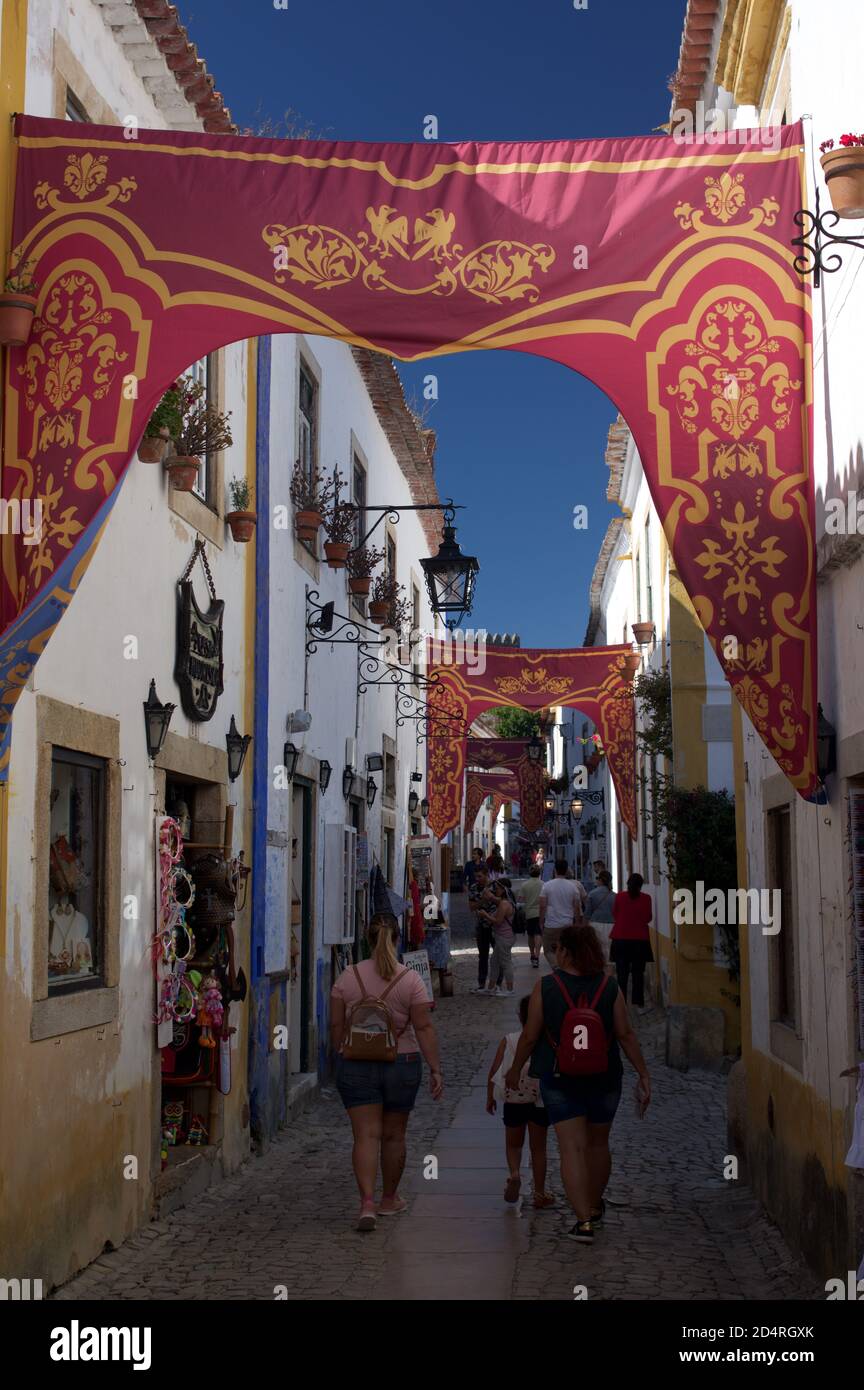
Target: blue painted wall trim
259	1012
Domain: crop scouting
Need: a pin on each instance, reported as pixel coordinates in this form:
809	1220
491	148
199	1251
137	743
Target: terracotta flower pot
16	317
183	472
379	610
242	525
632	663
337	553
152	447
844	175
642	632
307	524
360	584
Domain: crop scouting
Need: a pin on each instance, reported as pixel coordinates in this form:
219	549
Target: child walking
522	1109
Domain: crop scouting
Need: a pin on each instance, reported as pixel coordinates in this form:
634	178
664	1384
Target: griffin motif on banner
324	257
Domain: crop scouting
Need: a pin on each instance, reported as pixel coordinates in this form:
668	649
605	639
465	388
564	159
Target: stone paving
282	1226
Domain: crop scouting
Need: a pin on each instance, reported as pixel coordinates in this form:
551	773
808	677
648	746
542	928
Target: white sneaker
500	993
481	989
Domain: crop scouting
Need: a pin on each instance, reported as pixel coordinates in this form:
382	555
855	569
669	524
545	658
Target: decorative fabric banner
593	679
479	785
661	270
513	753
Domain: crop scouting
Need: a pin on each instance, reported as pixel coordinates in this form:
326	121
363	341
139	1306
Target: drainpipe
259	1011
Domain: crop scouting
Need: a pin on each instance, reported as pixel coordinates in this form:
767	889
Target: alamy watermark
21	518
713	126
423	650
717	907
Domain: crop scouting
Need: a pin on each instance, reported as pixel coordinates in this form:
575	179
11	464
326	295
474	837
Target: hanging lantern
450	577
237	744
290	759
371	790
413	802
535	750
576	808
157	717
325	772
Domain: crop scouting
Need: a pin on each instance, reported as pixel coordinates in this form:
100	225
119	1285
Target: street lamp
290	759
413	802
237	744
450	577
371	790
325	772
157	717
347	780
424	807
549	802
576	808
535	750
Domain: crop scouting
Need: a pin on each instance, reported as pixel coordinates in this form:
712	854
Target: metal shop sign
198	668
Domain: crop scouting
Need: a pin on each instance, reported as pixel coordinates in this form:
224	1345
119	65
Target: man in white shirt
560	906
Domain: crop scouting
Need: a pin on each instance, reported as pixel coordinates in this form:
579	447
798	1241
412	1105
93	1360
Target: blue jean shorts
393	1085
576	1097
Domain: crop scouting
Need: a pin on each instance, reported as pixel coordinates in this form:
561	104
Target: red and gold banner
513	753
660	270
592	679
503	786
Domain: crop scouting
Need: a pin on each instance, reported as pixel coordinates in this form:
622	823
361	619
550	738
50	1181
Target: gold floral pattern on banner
725	200
533	681
324	257
84	175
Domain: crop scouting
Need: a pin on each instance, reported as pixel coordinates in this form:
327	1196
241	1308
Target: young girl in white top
522	1109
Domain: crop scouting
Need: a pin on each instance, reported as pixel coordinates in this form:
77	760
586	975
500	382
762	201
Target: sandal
511	1191
543	1200
366	1219
394	1211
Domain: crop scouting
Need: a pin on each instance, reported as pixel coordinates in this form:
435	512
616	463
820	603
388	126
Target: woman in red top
630	941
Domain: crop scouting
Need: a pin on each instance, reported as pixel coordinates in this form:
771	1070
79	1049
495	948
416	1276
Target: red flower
826	145
848	140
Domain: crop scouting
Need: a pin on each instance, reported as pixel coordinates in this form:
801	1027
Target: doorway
302	931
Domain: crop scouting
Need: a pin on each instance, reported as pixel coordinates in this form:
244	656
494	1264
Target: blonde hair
383	935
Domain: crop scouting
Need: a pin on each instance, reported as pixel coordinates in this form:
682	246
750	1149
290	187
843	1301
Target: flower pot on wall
360	584
844	175
152	447
307	524
379	610
336	553
242	526
632	663
16	317
183	472
642	632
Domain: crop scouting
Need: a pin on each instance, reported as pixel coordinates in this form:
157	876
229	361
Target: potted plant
844	174
361	563
203	428
162	426
18	305
310	495
642	632
340	523
632	663
241	518
384	591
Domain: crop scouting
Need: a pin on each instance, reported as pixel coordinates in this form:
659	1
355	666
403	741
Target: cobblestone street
674	1228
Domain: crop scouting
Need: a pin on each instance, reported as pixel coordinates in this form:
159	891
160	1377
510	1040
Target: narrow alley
283	1226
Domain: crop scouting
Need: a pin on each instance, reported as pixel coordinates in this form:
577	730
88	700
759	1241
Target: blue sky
520	440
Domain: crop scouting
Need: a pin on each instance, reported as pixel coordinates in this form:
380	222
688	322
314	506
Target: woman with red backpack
379	1025
577	1024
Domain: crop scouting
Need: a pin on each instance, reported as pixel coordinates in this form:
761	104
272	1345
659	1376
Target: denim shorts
393	1085
575	1097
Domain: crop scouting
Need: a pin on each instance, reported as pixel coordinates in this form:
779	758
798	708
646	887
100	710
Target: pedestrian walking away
577	1023
482	896
529	896
599	909
560	906
500	919
379	1025
630	941
522	1111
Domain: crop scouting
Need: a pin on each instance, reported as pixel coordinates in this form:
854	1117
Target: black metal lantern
450	577
413	802
424	807
347	781
535	750
549	803
157	717
371	790
576	808
290	759
826	745
237	744
325	772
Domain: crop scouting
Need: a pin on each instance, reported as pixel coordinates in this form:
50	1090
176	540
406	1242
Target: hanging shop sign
198	666
418	961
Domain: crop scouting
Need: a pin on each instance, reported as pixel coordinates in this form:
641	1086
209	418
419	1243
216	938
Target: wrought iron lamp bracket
393	515
816	235
348	631
373	671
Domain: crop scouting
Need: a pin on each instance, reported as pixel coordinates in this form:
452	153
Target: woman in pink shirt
379	1096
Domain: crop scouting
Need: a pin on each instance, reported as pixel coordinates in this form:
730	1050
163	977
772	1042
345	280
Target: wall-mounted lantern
325	772
157	717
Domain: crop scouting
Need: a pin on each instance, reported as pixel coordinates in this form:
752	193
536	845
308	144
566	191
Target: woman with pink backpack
577	1023
379	1025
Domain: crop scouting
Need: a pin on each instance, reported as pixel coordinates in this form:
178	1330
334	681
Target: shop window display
75	868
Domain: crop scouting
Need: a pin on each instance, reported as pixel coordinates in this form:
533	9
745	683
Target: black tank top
555	1006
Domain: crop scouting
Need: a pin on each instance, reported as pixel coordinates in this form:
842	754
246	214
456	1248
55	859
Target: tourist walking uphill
379	1025
560	906
577	1023
599	908
630	942
529	896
